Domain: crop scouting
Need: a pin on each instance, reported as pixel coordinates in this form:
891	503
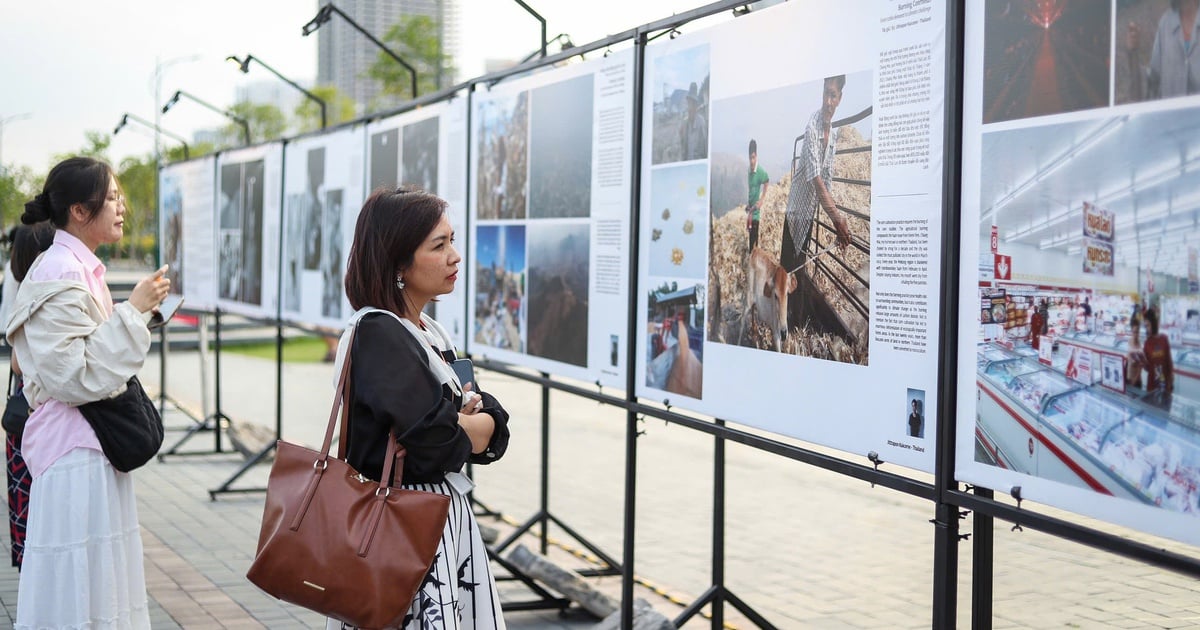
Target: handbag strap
341	402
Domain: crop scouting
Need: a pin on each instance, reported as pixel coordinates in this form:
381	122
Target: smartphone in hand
466	373
165	311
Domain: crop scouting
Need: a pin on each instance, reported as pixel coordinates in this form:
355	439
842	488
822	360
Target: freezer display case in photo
1035	421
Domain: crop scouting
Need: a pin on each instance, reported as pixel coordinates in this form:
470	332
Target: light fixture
230	115
244	66
324	14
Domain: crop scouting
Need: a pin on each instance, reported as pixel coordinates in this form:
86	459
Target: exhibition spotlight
244	66
230	115
566	44
128	117
327	11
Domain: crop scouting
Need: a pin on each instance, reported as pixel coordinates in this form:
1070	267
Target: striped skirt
460	591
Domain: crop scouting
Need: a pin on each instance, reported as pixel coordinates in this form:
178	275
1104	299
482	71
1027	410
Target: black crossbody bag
128	426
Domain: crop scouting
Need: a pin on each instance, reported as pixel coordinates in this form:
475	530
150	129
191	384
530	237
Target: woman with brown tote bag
402	384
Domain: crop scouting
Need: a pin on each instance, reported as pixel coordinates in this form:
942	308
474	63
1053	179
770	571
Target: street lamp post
228	114
244	66
160	67
128	117
4	121
326	11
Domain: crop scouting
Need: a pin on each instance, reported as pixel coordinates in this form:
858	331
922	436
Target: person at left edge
83	548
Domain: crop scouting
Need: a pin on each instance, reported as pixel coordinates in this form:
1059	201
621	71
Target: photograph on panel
678	221
679	130
914	426
790	261
679	125
1155	52
313	208
241	204
675	336
1045	57
172	236
559	255
384	167
295	210
500	286
332	256
560	149
1088	355
420	155
502	166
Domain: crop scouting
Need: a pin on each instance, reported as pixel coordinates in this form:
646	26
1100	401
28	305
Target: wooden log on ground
644	618
572	585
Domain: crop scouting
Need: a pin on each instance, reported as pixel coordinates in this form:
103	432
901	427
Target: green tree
96	145
138	177
265	120
417	40
338	108
17	185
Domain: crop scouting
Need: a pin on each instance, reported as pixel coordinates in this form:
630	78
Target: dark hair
753	146
1151	316
77	180
391	226
28	241
838	80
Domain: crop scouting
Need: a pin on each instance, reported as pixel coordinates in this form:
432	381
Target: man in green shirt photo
758	189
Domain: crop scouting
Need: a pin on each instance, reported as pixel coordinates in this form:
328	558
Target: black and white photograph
502	164
384	168
558	291
241	220
680	88
313	208
419	155
560	149
332	256
914	407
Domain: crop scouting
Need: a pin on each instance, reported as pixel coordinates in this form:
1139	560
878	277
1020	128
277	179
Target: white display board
323	192
187	230
834	345
427	147
550	195
1080	201
248	199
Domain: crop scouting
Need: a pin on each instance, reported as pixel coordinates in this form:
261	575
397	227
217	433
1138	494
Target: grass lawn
295	349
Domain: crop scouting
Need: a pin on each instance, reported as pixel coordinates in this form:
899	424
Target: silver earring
400	283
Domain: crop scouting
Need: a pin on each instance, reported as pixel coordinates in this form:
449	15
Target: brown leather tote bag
342	545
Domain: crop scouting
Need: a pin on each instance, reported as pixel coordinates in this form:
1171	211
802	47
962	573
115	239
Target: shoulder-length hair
391	226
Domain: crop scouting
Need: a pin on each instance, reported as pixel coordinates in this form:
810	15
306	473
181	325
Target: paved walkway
806	548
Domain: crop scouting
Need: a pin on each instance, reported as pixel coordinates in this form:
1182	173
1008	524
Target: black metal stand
982	551
225	488
544	517
718	594
213	422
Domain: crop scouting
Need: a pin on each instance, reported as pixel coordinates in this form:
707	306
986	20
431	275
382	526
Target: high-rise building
344	54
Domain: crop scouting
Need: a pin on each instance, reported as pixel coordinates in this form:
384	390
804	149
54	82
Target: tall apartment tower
344	54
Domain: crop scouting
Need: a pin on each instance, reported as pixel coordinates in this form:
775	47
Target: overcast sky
78	65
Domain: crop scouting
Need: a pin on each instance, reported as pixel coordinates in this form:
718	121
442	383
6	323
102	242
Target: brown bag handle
341	401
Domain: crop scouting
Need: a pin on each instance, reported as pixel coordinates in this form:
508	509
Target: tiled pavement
805	548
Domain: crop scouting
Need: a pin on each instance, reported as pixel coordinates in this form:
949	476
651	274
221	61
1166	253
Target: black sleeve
393	388
499	442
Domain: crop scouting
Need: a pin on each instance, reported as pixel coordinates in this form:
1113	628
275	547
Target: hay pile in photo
729	255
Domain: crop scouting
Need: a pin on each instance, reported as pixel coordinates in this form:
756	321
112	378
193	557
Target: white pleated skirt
460	591
83	551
